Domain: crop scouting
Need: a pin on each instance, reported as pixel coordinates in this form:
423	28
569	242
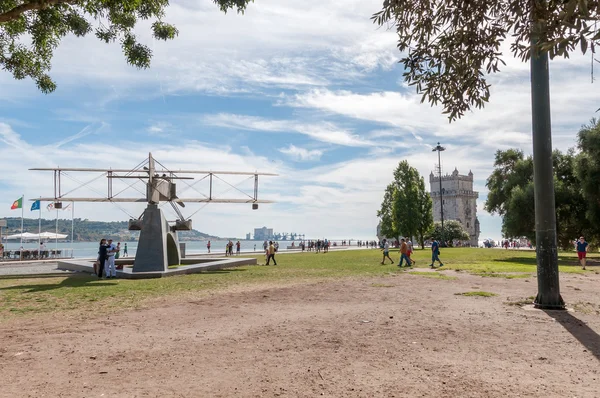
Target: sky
311	91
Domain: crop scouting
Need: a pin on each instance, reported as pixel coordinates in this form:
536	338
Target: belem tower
459	201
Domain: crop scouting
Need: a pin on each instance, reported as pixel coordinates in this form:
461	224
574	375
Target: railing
12	255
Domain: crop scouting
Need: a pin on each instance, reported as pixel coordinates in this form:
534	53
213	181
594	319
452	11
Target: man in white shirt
386	251
110	269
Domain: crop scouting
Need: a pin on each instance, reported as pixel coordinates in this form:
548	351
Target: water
90	249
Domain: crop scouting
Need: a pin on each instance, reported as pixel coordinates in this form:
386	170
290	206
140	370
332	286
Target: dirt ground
399	336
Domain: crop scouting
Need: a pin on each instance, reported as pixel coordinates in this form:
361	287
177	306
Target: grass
435	275
50	293
381	285
503	275
478	293
520	303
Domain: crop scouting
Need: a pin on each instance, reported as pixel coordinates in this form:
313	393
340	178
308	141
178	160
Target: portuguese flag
17	204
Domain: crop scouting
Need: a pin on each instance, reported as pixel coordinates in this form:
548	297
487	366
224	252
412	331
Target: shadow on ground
33	276
75	281
578	329
562	260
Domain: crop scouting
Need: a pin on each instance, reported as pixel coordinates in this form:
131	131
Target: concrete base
158	247
188	266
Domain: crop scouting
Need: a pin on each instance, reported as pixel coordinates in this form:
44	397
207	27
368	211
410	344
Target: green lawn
48	293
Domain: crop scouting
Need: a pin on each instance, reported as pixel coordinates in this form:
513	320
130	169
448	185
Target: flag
50	206
17	204
35	205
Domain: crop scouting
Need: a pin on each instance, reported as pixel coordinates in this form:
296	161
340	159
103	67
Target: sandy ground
400	336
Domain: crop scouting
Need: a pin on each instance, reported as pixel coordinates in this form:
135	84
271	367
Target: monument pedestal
158	245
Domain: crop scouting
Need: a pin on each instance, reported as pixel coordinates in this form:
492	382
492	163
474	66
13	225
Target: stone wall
459	201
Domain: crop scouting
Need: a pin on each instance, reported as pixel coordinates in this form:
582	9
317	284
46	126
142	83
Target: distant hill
90	231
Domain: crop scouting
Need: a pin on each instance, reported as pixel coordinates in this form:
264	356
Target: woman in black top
102	256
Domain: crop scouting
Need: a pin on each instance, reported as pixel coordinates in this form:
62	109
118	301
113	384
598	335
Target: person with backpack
435	253
102	258
404	254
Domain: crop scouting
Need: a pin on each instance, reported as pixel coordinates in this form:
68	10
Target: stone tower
459	201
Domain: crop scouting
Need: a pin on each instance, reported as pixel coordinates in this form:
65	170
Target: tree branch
16	12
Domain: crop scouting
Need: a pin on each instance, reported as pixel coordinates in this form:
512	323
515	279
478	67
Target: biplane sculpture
158	245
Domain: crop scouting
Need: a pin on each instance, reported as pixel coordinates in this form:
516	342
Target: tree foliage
452	45
453	231
588	172
46	22
511	195
385	214
406	209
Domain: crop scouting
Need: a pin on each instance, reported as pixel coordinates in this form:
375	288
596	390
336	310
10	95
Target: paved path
30	268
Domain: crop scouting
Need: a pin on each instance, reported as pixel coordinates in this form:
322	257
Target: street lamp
440	149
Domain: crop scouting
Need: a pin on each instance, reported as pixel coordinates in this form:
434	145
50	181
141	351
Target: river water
90	249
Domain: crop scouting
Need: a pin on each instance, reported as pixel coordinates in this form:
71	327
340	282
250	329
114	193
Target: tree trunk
548	296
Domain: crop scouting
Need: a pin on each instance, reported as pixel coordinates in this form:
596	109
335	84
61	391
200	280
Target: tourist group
108	252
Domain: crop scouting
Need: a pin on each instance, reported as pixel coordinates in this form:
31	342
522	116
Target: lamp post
439	149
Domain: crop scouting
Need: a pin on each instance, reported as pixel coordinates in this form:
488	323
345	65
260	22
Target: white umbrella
51	235
24	235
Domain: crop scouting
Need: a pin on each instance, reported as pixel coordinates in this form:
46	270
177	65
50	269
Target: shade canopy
30	236
52	235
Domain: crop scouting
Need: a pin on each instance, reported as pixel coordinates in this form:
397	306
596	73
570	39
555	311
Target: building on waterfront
263	233
459	201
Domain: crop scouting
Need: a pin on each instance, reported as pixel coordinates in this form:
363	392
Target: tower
459	201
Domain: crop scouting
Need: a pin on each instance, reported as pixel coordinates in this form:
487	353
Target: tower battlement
454	176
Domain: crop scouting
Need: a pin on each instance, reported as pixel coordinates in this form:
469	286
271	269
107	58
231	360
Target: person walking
119	267
582	248
435	253
410	251
208	247
238	245
271	253
125	250
386	252
404	254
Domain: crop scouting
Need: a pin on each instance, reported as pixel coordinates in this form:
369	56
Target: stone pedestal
158	247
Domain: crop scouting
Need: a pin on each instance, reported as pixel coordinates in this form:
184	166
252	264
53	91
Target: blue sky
309	90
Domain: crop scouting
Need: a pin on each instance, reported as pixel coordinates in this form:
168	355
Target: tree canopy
406	209
44	23
453	231
452	45
511	193
588	171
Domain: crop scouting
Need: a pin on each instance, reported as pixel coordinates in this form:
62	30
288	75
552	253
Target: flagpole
56	236
21	248
72	227
40	229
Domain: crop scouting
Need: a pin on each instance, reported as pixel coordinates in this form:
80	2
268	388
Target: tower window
467	225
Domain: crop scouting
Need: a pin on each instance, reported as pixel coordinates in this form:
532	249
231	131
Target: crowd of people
406	250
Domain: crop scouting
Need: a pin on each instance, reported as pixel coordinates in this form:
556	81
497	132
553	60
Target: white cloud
324	131
302	154
160	129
